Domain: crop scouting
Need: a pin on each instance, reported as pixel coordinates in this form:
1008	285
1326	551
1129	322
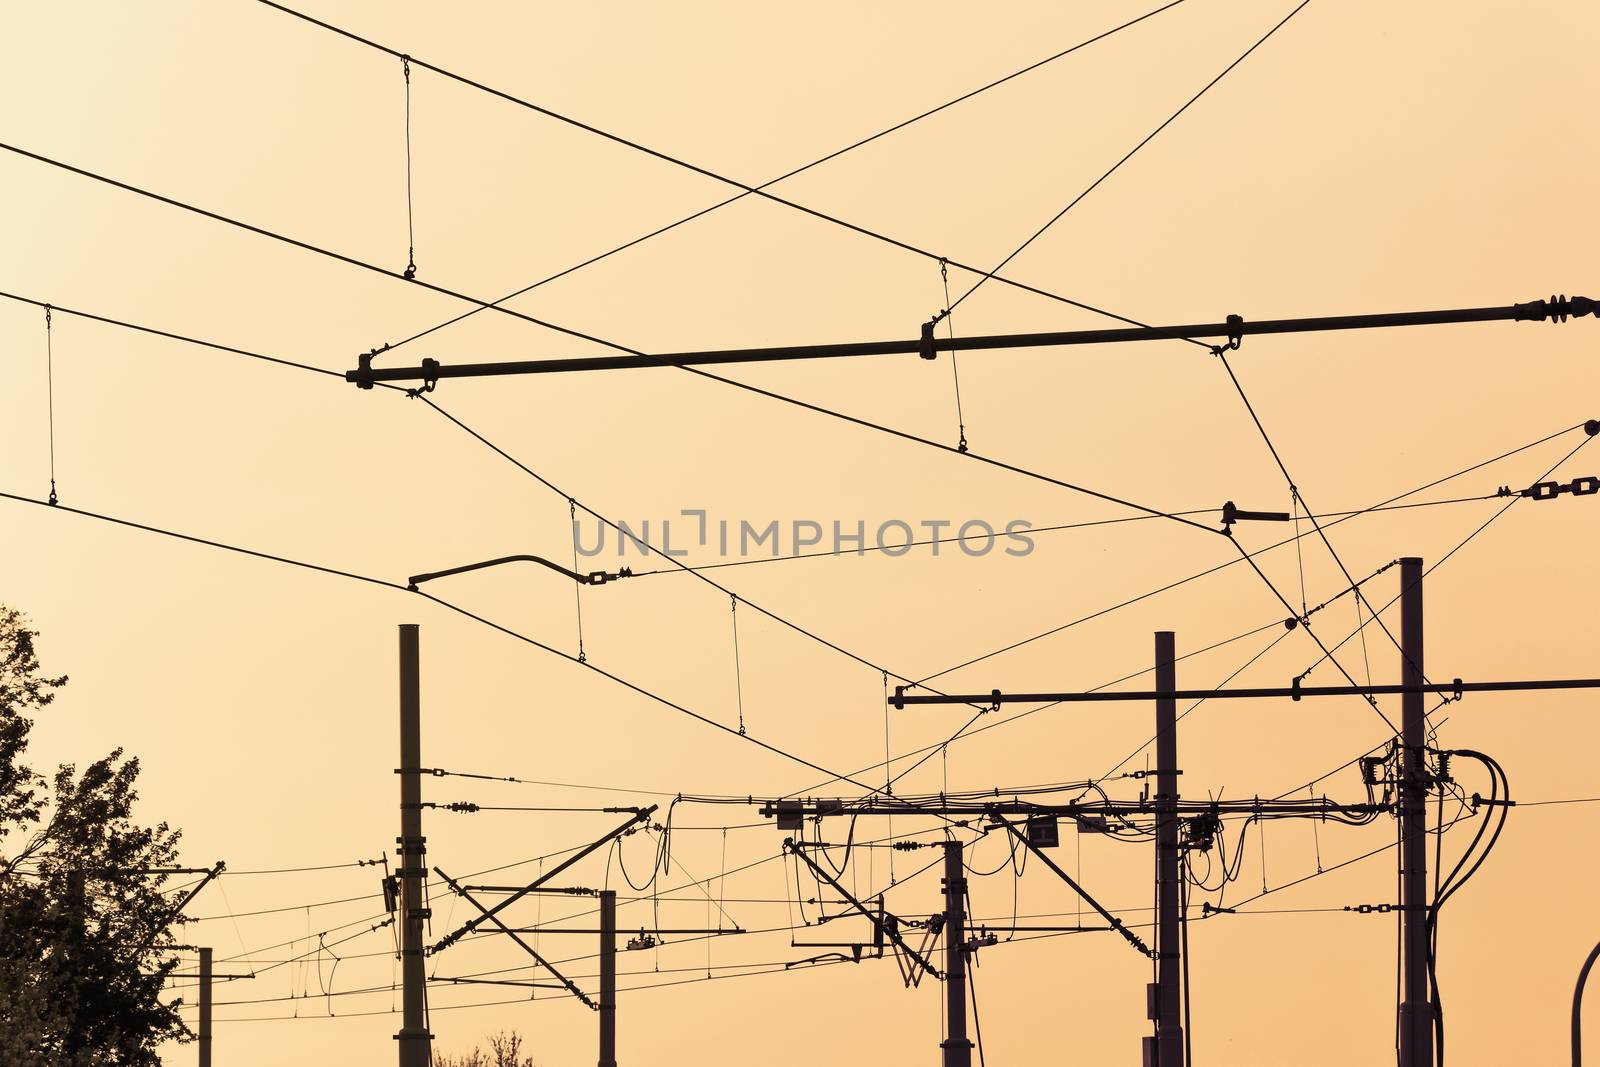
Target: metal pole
205	1008
608	978
415	1041
1416	1014
957	1049
1169	974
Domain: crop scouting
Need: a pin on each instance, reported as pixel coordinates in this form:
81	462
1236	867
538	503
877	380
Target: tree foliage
85	939
504	1050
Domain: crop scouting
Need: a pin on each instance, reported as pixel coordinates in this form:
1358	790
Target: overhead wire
964	730
656	697
1343	517
1130	154
744	189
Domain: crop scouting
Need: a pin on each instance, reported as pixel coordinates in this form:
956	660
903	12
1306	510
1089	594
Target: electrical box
1044	831
789	815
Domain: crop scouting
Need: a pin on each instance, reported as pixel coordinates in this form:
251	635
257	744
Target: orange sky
1369	157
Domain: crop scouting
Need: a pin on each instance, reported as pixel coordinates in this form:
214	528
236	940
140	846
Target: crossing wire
1222	354
1458	547
1341	517
805	405
1131	153
744	190
340	257
678	563
926	749
445	604
479	437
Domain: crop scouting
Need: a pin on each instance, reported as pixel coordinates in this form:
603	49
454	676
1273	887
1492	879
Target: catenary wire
1131	153
745	190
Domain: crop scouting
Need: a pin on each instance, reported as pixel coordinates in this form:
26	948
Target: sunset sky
1368	157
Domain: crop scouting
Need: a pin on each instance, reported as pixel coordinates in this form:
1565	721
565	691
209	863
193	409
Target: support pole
608	978
204	1029
957	1049
415	1042
1169	959
1416	1013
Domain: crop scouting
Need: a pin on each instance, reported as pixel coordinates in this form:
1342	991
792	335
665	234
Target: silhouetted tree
505	1050
84	942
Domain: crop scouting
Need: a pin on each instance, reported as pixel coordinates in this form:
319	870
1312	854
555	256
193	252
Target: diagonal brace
529	949
177	909
640	816
1116	923
884	929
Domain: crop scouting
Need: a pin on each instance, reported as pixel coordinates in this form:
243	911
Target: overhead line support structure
901	699
1416	1007
927	345
415	1041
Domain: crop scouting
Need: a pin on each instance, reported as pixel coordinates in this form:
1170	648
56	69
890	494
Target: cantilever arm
882	927
177	909
529	949
592	578
640	816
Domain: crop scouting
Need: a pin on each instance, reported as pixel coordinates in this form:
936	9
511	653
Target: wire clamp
430	379
925	343
1235	325
363	378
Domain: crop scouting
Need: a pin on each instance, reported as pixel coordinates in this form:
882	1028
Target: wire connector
1585	486
602	577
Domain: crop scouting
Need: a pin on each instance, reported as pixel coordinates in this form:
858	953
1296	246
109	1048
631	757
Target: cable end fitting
1556	309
